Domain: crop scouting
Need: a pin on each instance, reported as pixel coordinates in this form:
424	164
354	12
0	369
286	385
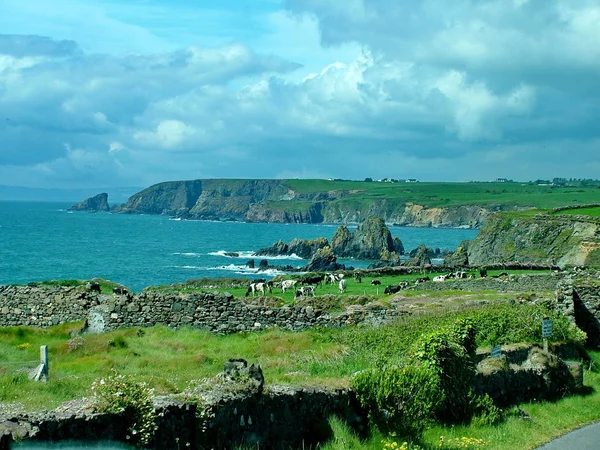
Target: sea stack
93	204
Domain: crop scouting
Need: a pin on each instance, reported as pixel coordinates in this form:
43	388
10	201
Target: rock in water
421	257
323	261
304	248
371	240
459	258
93	204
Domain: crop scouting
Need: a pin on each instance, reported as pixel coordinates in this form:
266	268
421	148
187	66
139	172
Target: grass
325	357
592	211
454	194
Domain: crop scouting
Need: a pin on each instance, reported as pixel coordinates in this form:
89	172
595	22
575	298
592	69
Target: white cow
342	286
288	284
305	291
256	287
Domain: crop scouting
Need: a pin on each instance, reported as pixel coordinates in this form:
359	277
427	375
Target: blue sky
121	93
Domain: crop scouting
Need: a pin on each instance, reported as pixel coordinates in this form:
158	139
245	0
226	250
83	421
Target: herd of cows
306	286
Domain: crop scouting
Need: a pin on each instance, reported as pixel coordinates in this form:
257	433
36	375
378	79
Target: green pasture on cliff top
456	194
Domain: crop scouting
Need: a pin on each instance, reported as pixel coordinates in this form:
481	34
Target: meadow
172	360
455	194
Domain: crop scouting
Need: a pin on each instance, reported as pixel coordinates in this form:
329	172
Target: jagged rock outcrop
459	258
323	261
170	198
93	204
369	241
550	239
304	248
420	258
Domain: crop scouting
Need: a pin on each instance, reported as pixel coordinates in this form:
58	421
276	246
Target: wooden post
44	359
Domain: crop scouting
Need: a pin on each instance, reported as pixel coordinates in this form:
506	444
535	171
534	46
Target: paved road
585	438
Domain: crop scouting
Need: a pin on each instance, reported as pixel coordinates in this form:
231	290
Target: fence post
41	372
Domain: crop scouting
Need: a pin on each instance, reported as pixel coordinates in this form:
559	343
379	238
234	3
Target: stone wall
44	306
283	417
511	283
219	313
578	297
222	313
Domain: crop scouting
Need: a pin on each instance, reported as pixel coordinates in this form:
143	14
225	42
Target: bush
398	398
119	394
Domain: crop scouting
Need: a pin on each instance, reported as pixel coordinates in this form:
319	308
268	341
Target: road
585	438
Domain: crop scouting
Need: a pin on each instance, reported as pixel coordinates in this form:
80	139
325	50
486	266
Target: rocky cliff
371	240
93	204
564	240
277	201
170	198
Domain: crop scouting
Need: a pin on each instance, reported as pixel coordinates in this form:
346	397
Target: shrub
119	394
398	398
455	372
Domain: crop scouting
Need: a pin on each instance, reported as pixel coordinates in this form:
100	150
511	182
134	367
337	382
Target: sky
134	92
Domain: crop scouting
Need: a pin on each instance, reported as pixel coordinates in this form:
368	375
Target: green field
455	194
592	211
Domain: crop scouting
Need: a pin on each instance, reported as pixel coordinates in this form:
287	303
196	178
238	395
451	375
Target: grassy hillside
456	194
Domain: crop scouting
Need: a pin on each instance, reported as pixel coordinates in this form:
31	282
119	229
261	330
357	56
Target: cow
314	280
256	287
422	280
342	286
357	277
120	290
305	291
287	284
460	274
392	289
483	273
404	284
440	278
375	282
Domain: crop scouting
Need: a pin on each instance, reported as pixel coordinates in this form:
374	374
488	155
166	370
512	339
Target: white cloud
472	90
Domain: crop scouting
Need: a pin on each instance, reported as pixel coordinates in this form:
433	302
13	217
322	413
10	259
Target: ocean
43	241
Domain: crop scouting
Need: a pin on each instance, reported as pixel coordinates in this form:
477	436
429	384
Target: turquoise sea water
42	241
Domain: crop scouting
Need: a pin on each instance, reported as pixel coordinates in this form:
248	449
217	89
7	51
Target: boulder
370	240
323	261
420	258
304	248
459	258
93	204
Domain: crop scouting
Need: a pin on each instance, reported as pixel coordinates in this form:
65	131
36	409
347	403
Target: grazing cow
357	277
483	273
375	282
269	286
256	287
314	280
460	274
392	289
288	284
422	280
342	286
305	291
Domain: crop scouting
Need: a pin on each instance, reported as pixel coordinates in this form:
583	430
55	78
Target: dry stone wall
44	306
578	297
219	313
511	283
222	313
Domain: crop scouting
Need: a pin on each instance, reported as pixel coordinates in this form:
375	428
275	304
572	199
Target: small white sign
546	328
496	352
